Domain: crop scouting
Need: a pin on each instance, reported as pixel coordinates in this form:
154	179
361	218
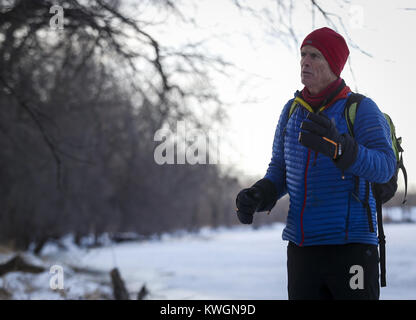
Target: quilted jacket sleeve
276	171
376	161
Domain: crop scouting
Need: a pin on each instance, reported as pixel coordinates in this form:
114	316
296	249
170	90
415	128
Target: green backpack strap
401	166
350	111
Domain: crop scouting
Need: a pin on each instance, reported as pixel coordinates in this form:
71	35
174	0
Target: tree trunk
119	289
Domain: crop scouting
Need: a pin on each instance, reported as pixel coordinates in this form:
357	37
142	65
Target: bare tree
89	101
81	106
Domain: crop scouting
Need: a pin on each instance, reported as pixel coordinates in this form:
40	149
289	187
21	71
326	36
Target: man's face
316	74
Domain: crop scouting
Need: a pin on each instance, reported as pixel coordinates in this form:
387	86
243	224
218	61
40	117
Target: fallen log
17	263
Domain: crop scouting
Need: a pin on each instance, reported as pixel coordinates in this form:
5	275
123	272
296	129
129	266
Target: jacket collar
340	93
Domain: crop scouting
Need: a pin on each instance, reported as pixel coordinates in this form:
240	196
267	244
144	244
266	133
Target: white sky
381	28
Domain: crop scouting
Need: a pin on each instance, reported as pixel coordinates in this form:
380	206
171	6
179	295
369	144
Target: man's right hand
247	202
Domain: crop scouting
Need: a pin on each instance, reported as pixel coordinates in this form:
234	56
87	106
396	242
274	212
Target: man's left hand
321	135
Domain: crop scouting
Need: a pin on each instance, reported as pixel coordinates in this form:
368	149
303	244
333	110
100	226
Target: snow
397	214
236	263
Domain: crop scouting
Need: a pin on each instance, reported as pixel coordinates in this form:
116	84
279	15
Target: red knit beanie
332	45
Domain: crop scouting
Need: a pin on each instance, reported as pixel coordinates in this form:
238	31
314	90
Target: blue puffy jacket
322	209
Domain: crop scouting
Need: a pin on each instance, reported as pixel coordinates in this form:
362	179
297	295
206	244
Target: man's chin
305	82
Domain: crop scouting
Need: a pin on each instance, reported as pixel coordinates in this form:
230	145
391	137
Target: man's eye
314	55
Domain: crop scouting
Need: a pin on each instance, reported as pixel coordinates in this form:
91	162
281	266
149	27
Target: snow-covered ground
237	263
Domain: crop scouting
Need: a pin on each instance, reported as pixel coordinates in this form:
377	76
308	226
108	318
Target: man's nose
305	62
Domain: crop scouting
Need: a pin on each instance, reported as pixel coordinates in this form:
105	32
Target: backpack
382	192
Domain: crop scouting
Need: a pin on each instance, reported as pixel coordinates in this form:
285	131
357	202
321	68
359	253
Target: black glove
321	135
247	202
262	196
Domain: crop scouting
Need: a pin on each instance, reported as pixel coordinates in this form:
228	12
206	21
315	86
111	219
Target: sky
267	69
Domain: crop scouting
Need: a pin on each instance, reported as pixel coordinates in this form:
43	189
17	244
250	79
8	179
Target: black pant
329	272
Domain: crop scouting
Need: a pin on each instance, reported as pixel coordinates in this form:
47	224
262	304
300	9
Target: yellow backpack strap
293	107
303	103
296	102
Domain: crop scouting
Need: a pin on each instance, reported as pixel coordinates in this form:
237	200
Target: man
332	251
